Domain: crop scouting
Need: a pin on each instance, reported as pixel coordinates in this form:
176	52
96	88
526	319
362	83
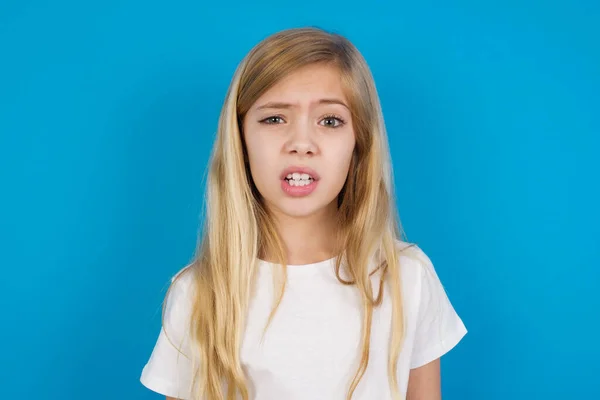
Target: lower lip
298	191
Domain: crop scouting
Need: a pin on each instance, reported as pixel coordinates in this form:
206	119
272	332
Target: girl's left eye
332	121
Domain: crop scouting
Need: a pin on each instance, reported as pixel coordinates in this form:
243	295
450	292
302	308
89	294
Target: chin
301	208
299	211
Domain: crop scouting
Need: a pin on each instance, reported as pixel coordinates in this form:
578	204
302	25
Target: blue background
107	113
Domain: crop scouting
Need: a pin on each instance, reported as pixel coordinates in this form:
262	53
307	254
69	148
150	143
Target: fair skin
424	383
304	120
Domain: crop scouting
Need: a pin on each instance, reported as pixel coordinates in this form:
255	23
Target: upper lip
300	170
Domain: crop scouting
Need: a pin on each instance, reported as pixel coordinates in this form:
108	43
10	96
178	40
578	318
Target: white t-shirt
311	349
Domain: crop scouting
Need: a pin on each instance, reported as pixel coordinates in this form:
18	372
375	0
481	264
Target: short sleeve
439	328
169	369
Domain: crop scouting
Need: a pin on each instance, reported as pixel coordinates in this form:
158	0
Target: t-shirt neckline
301	268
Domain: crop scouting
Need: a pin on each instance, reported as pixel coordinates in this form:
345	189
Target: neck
307	239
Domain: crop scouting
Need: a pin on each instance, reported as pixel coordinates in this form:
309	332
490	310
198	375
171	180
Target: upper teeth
297	176
297	179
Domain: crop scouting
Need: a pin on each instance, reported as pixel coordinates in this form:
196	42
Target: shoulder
415	264
179	297
411	251
418	276
183	280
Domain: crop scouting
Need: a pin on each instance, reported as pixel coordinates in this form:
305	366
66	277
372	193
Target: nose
300	140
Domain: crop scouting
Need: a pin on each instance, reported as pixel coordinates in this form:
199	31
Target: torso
311	350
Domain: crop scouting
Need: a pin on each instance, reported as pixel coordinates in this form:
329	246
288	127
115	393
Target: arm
424	383
438	329
169	370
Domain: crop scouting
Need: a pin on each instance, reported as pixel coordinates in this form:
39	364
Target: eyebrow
281	105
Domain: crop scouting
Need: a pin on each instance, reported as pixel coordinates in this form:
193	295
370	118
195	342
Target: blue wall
107	112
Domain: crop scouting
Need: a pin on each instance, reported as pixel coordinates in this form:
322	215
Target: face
300	140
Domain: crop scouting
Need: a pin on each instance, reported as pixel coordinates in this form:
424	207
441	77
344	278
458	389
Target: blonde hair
237	227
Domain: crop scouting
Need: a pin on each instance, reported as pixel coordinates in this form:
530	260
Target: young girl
302	287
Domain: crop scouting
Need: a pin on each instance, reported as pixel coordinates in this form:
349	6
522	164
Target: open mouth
298	179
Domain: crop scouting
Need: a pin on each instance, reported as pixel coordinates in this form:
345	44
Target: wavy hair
237	227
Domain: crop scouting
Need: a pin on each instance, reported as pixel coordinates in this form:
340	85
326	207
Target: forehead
307	84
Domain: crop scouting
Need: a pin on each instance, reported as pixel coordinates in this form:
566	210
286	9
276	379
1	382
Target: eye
332	121
272	120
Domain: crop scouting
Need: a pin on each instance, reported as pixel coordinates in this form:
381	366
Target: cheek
339	160
345	153
260	158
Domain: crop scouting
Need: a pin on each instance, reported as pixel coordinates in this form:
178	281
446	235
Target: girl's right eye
273	120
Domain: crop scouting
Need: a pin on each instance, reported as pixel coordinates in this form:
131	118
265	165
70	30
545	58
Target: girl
302	287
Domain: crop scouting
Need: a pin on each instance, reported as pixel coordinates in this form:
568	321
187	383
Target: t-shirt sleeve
439	328
169	369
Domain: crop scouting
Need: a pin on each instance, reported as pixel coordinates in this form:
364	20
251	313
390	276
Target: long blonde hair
238	228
